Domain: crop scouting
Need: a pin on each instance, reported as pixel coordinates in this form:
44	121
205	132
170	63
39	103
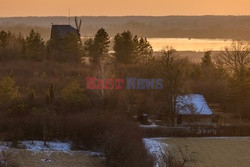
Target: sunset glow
123	7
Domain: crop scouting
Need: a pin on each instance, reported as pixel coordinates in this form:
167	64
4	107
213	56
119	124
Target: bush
74	96
119	139
9	94
122	142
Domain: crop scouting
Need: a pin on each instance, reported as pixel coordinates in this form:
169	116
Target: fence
196	131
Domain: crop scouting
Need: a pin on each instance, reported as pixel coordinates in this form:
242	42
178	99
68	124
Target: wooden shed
192	109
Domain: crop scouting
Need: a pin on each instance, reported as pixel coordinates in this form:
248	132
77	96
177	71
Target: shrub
118	138
74	96
9	94
123	146
8	90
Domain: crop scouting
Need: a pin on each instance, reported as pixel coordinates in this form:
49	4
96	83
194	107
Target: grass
215	152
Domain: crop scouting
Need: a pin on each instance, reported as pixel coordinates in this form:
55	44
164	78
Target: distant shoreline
200	27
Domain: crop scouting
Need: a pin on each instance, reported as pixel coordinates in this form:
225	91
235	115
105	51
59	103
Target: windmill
59	32
78	25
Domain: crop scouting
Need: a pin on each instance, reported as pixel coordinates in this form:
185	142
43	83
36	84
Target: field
56	154
26	158
214	152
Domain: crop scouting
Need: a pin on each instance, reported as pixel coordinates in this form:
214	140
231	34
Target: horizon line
236	15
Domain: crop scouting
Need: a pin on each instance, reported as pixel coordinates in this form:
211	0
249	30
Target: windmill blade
76	22
80	24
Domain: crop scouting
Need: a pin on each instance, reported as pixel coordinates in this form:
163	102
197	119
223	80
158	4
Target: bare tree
178	156
234	61
186	155
173	70
169	156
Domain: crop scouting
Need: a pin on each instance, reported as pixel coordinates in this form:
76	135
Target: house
192	109
59	32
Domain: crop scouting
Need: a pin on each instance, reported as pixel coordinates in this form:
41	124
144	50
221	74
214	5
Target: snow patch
4	145
149	126
157	150
46	160
37	146
94	154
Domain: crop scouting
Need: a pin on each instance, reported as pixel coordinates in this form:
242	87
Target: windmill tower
59	32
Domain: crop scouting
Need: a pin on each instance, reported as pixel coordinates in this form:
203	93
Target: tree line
128	48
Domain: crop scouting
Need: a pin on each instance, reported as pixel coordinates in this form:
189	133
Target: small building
59	32
192	109
143	119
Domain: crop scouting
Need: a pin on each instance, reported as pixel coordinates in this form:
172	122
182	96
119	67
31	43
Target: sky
123	7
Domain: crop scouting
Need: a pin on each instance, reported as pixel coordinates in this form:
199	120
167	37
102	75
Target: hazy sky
123	7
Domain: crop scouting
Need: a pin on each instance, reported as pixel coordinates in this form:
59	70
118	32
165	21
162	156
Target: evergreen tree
31	98
131	49
124	48
145	50
10	45
89	49
207	59
97	48
3	38
136	48
34	46
68	49
50	96
72	48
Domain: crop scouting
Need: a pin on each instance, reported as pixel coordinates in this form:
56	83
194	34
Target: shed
192	109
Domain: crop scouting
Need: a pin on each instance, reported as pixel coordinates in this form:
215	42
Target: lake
186	44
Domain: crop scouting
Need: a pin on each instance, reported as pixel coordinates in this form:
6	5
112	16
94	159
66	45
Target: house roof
60	31
192	104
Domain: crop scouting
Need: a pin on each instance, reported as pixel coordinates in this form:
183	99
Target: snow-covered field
38	146
56	154
210	151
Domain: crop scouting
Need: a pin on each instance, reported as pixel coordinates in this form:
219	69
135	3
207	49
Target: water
186	44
